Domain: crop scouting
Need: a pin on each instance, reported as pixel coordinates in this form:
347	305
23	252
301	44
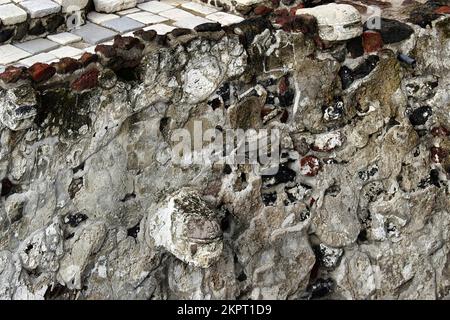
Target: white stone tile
160	28
109	6
42	57
154	6
64	38
200	8
12	14
146	17
175	3
4	1
66	51
224	18
10	53
99	18
191	23
37	45
176	14
40	8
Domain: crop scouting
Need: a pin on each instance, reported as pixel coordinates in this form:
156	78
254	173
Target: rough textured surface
94	204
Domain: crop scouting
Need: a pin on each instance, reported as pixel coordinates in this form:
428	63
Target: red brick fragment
12	74
283	85
372	41
106	50
443	10
440	131
262	10
309	166
41	72
87	80
88	58
281	12
438	155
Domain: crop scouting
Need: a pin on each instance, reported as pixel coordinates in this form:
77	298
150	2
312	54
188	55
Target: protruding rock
87	80
184	225
41	72
337	22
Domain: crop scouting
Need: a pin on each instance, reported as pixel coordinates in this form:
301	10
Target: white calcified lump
109	6
336	22
185	226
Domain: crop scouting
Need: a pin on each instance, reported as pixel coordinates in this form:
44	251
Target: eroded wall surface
93	205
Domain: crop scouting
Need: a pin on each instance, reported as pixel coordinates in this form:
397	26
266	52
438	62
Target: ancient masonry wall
93	204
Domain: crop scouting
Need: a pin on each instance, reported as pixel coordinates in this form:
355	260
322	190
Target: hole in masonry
128	196
74	219
133	231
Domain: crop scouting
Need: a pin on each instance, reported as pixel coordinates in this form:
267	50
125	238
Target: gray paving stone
40	8
94	34
123	24
12	14
37	45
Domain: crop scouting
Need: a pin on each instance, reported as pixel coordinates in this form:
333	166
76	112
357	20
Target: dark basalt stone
269	199
320	288
74	219
284	175
434	178
178	32
420	115
208	27
21	31
161	39
7	187
346	75
23	110
392	31
366	67
54	22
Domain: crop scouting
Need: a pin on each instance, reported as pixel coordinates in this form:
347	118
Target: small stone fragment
309	166
41	72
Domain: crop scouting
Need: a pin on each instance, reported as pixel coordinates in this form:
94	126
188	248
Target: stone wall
93	204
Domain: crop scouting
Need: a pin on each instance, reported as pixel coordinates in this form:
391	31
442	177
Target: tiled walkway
161	16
